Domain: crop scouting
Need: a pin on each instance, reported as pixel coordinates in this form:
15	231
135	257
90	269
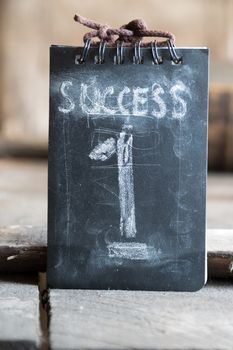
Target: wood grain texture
220	253
19	313
23	248
142	320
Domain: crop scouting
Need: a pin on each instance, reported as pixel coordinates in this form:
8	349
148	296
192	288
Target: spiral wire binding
83	57
137	58
175	58
119	57
154	50
101	54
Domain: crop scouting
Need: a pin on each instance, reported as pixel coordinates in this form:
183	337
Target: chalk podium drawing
122	145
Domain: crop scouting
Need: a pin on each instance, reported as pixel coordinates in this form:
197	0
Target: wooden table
92	319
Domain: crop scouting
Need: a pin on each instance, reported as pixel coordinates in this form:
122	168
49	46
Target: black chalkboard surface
127	171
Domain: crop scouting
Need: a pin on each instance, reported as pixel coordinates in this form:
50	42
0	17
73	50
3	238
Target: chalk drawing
123	148
104	150
128	250
122	145
126	182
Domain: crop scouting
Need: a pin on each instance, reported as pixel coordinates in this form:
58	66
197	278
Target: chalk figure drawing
123	148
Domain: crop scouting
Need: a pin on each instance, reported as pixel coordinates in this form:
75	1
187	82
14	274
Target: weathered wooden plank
220	253
44	310
19	313
24	248
220	241
142	320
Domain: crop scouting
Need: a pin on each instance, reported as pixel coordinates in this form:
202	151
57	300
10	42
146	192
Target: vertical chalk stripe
126	184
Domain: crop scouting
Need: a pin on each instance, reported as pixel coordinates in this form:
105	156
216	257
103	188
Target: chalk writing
68	103
179	106
139	101
161	110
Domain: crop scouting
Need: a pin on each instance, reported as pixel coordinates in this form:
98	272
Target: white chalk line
129	250
126	184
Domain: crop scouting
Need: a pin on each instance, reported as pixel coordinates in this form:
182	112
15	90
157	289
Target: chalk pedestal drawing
123	147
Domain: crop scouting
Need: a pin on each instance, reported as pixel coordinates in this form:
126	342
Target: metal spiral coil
137	58
101	53
175	58
154	51
83	57
119	56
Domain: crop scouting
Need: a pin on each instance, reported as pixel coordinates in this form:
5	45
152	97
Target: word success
154	101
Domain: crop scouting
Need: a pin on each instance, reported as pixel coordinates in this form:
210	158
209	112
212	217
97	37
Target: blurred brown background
29	27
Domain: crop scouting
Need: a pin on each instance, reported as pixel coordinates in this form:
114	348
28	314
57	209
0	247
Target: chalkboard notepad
127	170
